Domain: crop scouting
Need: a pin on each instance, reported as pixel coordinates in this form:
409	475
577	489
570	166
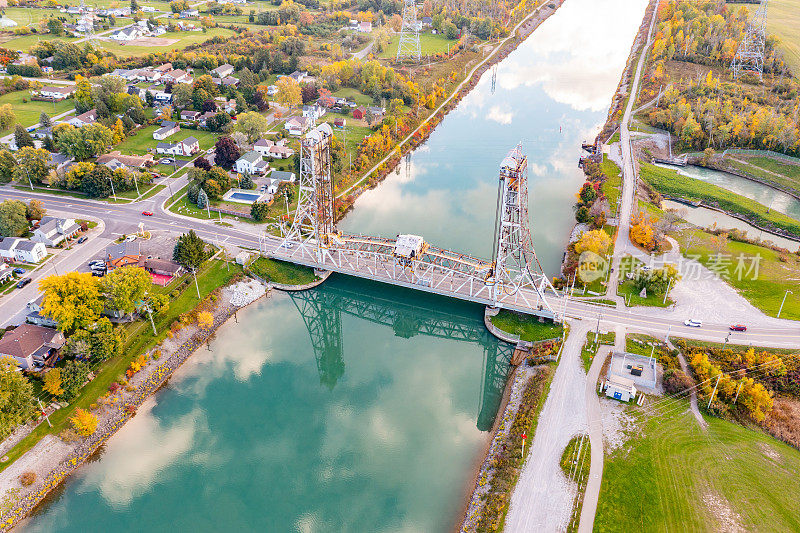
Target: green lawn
668	475
612	187
352	135
669	182
592	345
776	272
527	327
142	141
184	39
25	42
354	95
138	338
282	272
25	16
766	168
28	112
428	43
628	290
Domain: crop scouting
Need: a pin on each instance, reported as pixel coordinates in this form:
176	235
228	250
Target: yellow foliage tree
52	382
73	299
84	422
288	92
642	231
596	241
205	319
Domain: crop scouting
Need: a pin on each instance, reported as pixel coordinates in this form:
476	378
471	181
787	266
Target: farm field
783	20
672	476
28	112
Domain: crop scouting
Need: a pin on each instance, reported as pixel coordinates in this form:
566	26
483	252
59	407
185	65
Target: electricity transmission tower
750	55
408	47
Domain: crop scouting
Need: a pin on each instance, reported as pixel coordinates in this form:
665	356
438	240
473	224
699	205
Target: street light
114	194
783	301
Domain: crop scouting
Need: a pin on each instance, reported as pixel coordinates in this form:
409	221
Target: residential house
229	106
223	71
190	115
162	271
272	90
339	122
251	163
84	119
56	94
377	112
167	128
6	272
297	125
188	13
128	33
427	22
203	120
164	67
53	231
35	316
16	249
359	112
42	133
59	161
276	178
176	76
280	151
365	27
122	254
32	346
162	98
262	146
186	147
115	160
299	75
314	111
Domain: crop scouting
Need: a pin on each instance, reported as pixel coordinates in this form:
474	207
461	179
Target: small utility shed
620	388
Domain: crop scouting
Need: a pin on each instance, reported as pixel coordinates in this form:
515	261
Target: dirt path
543	497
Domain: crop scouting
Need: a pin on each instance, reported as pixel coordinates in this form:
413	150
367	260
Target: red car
147	213
738	327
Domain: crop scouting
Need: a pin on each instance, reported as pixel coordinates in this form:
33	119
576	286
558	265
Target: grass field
526	326
25	42
783	20
428	43
27	16
143	141
671	476
612	187
669	182
28	112
281	272
768	169
627	289
185	38
776	272
138	338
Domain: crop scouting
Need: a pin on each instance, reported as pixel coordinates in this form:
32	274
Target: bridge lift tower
750	54
313	223
515	263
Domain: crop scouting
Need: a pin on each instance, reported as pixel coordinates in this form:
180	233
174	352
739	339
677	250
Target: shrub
676	381
84	422
27	479
114	387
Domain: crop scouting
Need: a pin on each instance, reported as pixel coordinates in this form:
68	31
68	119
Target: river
357	406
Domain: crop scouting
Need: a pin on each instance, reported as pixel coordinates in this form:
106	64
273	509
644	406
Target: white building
16	249
167	128
222	71
262	146
84	119
297	125
251	163
56	93
620	388
52	231
314	111
186	147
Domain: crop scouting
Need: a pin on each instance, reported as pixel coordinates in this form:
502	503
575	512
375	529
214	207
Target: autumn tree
205	319
33	165
124	287
52	382
73	376
83	95
289	93
84	422
226	152
7	116
16	396
73	300
641	231
85	142
7	166
252	124
35	210
596	241
13	219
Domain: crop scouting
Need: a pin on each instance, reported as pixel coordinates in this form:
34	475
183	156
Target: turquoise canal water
357	406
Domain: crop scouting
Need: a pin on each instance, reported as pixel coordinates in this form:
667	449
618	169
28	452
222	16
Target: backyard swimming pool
243	196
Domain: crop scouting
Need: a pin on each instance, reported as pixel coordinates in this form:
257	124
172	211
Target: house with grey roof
167	128
32	345
53	231
251	163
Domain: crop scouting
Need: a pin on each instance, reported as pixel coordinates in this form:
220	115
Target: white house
365	27
280	151
84	119
167	128
314	111
52	231
16	249
222	71
176	76
56	93
186	147
127	34
297	125
189	115
251	163
272	90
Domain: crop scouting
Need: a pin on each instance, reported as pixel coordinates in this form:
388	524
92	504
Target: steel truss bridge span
512	279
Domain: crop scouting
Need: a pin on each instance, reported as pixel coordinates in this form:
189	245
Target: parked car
130	238
24	281
738	327
18	271
98	273
692	323
82	240
97	262
147	213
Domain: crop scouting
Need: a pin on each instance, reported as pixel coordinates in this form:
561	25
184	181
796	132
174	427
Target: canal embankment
119	406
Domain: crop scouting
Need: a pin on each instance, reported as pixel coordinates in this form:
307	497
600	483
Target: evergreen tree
190	251
21	137
202	199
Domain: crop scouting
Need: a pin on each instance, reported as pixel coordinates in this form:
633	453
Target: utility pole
667	293
713	392
114	194
47	417
783	301
737	393
150	314
197	287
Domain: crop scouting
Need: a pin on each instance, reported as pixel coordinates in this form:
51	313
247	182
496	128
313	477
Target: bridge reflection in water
409	314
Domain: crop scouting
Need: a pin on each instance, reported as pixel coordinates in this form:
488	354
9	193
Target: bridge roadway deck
654	321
